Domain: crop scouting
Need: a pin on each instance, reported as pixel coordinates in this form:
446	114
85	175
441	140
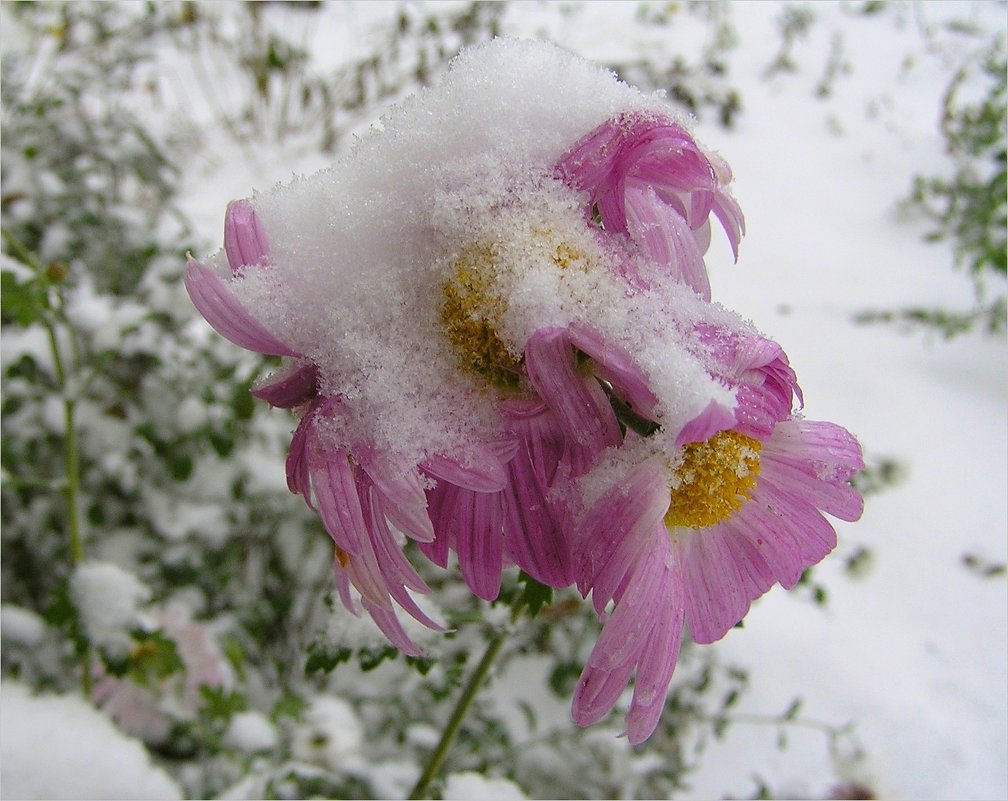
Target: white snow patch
473	786
456	184
21	626
55	747
251	732
329	734
108	600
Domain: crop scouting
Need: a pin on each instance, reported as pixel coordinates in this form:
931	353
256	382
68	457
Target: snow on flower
495	328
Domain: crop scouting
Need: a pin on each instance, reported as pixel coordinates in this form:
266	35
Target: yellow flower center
470	315
474	306
716	477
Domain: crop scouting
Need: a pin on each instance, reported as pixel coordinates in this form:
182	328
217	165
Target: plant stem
73	482
71	450
437	758
72	466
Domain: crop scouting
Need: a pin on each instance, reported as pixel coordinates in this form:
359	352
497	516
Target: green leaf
421	664
324	658
792	711
563	678
370	658
236	656
290	705
534	596
220	703
154	657
21	302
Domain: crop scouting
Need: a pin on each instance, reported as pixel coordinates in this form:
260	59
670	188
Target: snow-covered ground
913	650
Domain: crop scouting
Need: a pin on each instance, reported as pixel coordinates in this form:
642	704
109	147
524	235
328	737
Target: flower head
497	336
696	544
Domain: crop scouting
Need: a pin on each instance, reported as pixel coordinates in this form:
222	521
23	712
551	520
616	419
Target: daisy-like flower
693	531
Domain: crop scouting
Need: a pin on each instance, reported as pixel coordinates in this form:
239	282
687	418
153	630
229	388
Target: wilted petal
478	469
705	425
665	237
476	520
616	528
403	498
390	626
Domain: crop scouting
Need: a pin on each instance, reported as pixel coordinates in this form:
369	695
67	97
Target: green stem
20	251
73	483
72	467
437	758
71	451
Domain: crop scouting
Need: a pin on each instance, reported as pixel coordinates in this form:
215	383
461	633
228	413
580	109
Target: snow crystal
60	747
108	600
363	254
476	787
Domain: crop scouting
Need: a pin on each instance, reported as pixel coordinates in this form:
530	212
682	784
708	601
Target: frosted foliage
330	735
107	599
360	254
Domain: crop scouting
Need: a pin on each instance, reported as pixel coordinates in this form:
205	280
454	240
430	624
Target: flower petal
533	537
613	364
617	526
214	299
664	236
388	622
402	497
244	238
479	468
705	425
714	585
289	388
597	692
477	521
585	415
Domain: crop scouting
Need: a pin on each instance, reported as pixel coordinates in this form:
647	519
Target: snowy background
887	671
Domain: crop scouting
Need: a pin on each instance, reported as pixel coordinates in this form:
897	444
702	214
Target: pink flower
694	535
580	408
148	710
487	503
647	178
690	525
